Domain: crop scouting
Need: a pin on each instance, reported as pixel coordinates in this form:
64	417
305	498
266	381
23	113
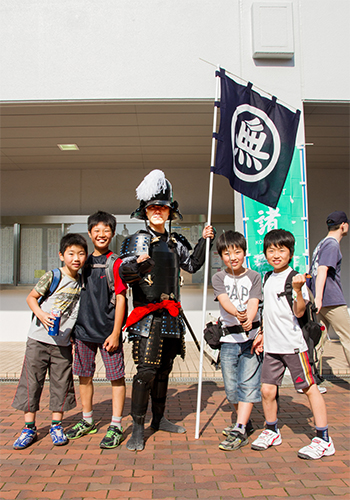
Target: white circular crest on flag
247	144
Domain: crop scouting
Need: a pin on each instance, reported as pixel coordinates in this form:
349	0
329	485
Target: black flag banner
255	142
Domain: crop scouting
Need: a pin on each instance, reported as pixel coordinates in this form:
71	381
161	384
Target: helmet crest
151	185
155	189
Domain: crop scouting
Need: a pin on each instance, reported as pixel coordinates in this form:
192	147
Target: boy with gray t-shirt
54	353
238	291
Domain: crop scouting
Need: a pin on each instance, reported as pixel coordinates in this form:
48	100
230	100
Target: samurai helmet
155	189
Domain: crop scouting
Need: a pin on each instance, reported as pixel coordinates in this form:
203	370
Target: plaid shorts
84	360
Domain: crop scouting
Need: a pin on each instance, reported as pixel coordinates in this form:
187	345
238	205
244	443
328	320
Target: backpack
56	279
312	330
314	264
109	266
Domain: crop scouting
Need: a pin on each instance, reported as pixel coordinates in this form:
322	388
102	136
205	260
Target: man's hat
155	189
336	218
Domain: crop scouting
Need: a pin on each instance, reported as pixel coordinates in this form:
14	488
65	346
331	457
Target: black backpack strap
261	306
83	271
266	276
288	288
288	293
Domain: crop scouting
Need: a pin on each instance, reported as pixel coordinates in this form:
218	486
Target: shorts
40	358
85	355
274	366
241	372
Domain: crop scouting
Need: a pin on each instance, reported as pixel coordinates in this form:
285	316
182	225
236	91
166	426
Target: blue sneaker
27	437
57	435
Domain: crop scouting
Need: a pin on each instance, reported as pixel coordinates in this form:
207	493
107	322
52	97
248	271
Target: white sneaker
317	449
266	439
322	390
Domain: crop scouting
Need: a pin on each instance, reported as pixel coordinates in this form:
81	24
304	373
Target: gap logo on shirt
233	292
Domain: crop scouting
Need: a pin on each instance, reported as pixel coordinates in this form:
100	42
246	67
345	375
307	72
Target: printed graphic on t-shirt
236	293
66	301
65	298
240	290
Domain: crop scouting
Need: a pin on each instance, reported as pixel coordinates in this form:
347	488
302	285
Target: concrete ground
11	359
176	466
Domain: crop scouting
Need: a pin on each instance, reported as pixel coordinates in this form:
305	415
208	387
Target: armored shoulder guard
136	244
182	239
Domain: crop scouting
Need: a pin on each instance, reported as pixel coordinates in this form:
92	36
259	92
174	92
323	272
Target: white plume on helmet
151	185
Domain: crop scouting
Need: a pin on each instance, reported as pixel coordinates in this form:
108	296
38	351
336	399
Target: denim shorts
241	372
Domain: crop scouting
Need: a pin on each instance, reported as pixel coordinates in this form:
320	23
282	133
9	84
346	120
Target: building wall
152	50
85	191
328	190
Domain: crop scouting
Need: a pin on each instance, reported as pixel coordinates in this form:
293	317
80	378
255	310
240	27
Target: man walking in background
325	280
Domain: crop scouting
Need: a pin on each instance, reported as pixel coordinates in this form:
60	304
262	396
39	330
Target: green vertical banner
290	214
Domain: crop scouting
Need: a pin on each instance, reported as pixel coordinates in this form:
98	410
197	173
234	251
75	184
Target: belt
239	328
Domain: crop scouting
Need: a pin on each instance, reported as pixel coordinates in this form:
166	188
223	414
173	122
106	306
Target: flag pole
207	250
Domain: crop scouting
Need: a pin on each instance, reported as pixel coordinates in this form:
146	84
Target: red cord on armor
142	311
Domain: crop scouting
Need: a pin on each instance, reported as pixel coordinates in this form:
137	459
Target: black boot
160	423
137	440
158	395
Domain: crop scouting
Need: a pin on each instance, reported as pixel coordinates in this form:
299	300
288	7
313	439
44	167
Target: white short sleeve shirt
282	333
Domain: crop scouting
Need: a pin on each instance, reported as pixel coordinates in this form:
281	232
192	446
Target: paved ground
11	358
178	466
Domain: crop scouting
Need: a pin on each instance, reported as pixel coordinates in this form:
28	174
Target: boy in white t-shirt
285	347
238	291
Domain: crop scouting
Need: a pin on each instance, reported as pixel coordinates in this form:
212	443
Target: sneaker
234	441
249	429
113	437
80	429
27	437
317	449
322	390
266	439
57	435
